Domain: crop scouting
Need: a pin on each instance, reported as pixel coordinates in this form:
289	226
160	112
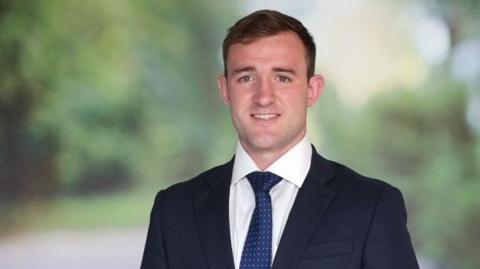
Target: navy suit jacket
339	220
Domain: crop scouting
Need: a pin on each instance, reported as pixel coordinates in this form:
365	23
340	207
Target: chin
265	144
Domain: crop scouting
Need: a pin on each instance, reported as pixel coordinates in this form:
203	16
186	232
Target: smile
265	116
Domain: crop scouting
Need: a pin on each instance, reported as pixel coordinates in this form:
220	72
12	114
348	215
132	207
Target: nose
265	93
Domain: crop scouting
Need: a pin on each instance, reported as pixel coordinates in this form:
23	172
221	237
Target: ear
316	85
222	87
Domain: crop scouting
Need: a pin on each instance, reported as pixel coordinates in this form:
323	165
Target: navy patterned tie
257	251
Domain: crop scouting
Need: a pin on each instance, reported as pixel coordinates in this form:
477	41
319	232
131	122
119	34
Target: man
277	203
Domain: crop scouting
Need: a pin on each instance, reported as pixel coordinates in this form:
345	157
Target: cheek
238	111
294	99
239	101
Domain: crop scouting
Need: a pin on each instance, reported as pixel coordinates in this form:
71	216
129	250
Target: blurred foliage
461	16
100	97
419	140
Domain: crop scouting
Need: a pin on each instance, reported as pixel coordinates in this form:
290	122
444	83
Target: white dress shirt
293	167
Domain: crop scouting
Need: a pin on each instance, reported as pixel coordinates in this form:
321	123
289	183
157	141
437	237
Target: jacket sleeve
388	242
154	255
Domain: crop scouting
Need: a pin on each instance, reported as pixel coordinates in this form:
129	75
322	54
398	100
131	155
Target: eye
283	78
245	79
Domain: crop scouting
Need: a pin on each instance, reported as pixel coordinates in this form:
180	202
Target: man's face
268	92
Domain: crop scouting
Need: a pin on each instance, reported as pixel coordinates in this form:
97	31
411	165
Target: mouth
266	116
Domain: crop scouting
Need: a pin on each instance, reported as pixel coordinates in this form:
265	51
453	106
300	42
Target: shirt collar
293	166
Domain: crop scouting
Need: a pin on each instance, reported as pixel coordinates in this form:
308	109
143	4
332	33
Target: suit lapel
211	207
310	205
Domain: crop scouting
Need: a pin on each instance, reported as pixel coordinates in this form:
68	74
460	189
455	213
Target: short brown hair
263	23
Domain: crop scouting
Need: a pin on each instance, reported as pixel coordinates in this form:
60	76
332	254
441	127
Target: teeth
265	116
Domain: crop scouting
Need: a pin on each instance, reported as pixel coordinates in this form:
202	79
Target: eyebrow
251	68
285	70
243	69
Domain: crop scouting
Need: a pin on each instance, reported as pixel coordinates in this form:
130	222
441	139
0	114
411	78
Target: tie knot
263	181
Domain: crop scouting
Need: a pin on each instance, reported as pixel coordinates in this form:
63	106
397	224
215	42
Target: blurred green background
103	103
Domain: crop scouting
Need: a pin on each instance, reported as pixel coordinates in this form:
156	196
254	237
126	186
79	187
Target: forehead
284	48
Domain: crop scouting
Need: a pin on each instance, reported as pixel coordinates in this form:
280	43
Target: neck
263	158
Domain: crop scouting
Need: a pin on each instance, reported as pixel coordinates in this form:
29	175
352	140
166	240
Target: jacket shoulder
347	179
199	182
